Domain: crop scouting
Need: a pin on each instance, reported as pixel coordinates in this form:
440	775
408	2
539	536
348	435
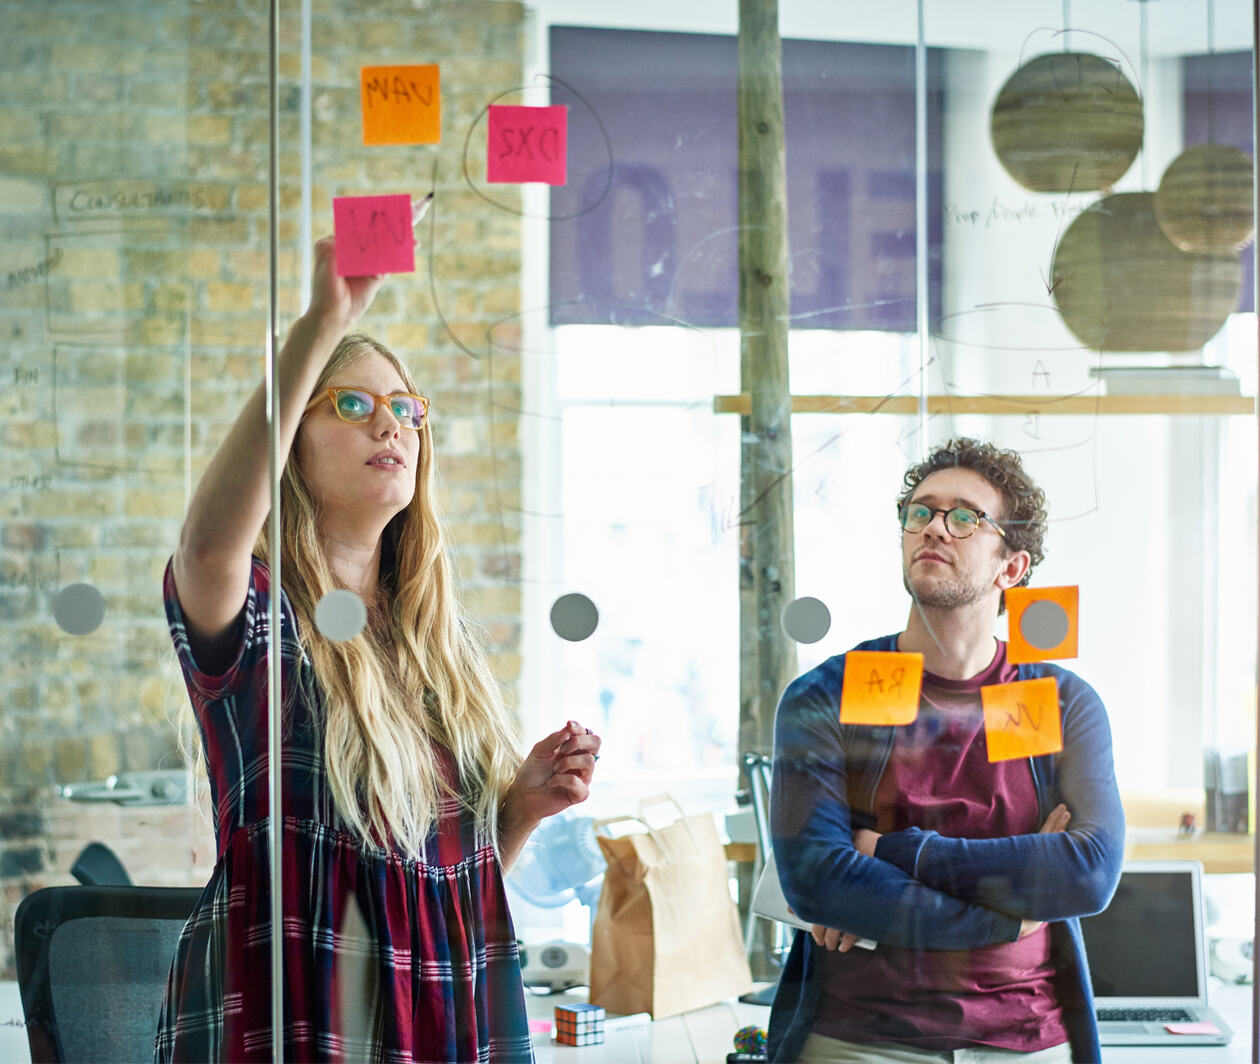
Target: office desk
705	1036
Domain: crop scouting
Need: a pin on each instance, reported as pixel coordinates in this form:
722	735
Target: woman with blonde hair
404	793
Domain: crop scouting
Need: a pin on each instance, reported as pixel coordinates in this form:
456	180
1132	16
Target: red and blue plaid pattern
386	958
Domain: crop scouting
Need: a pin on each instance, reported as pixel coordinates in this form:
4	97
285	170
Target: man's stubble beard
951	595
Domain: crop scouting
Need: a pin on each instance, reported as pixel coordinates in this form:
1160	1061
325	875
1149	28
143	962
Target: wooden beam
766	558
1002	405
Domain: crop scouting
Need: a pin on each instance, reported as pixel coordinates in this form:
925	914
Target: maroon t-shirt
939	777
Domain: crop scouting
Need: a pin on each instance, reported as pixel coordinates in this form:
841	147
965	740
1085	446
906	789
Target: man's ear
1015	567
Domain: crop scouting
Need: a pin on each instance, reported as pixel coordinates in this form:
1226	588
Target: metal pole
273	613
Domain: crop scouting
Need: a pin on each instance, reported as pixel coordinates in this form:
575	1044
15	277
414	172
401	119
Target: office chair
98	866
758	767
92	964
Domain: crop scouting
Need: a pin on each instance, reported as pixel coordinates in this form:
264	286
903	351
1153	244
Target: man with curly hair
969	876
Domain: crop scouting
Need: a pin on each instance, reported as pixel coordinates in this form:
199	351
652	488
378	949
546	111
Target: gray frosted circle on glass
806	619
574	617
79	608
340	615
1044	624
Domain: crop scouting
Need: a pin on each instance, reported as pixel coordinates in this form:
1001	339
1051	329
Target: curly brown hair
1023	516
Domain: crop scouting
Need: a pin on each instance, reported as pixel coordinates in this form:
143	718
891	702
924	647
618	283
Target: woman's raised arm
227	511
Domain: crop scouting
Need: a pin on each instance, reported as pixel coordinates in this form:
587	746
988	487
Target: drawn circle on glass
1043	624
79	609
574	617
806	619
340	615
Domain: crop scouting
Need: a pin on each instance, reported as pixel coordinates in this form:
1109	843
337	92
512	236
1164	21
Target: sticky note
880	687
1022	719
1043	623
373	235
527	144
401	104
1199	1027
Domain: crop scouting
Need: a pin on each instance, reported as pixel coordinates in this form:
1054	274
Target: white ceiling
1174	27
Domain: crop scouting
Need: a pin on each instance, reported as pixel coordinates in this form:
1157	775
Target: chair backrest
98	866
758	767
92	965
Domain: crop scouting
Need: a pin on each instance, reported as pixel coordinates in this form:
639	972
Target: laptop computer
1148	959
768	901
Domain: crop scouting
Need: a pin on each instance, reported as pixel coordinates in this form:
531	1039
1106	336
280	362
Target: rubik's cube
579	1025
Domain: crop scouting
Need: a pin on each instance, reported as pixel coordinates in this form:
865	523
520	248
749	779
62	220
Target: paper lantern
1121	285
1204	199
1067	121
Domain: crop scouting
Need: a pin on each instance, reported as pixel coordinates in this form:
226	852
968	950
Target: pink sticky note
373	235
527	144
540	1026
1202	1027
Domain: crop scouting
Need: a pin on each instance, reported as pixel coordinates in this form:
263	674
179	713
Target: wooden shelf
1022	405
1217	850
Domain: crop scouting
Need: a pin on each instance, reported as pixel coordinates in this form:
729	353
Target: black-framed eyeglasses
960	522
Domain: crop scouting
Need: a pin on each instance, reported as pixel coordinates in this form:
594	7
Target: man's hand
1057	821
832	938
864	841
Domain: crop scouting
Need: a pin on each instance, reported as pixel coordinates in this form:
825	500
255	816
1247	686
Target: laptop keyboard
1146	1015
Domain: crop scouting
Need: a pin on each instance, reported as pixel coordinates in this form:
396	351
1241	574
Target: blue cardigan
923	890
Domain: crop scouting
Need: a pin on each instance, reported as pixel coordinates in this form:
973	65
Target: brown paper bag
666	937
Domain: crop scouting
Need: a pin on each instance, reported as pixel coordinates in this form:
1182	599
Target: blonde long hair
414	678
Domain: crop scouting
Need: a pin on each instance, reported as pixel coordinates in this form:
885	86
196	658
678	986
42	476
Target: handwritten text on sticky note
401	104
373	235
1022	719
527	144
880	687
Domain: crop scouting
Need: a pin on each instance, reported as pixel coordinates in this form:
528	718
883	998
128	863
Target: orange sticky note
1022	719
1042	623
880	687
401	104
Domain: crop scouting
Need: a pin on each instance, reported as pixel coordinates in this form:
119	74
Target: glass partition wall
133	295
963	262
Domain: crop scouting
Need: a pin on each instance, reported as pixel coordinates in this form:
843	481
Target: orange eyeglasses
356	405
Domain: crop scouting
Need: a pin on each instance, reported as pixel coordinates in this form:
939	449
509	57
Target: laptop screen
1144	944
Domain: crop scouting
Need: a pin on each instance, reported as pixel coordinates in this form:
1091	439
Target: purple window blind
1218	110
644	232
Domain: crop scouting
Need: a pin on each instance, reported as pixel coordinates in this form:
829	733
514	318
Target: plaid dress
386	958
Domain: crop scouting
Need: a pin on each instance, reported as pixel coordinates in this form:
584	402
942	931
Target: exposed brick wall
133	296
